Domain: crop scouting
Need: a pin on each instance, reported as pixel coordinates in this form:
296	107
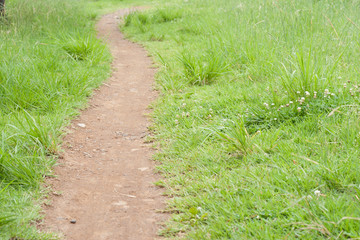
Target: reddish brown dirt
105	179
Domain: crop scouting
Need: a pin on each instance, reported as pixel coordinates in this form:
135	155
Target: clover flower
299	109
307	93
326	92
301	100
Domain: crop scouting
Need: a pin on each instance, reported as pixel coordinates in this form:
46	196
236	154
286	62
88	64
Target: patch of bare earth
105	179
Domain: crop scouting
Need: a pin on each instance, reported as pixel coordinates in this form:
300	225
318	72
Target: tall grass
288	169
50	62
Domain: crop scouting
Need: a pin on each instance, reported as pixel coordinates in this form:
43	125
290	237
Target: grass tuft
202	70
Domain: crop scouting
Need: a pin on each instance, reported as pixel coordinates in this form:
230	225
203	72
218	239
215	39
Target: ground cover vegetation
99	7
258	119
50	60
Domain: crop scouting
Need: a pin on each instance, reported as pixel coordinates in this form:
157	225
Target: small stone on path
143	169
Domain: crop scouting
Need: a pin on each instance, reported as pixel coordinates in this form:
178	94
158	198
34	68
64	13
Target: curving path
105	178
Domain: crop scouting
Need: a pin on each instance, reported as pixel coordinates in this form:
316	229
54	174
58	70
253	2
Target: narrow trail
105	177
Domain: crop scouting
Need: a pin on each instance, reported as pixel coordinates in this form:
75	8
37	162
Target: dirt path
105	178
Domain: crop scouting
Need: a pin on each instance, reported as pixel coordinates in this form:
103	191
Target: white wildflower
299	109
326	92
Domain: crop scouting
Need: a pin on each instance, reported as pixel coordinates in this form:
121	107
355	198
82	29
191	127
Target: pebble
73	221
143	169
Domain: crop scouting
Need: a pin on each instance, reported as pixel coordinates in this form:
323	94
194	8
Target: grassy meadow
257	122
258	119
50	62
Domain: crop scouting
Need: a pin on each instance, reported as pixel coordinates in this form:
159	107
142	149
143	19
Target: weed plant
50	62
259	140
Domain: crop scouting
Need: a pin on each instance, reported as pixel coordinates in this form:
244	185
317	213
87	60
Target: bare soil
104	187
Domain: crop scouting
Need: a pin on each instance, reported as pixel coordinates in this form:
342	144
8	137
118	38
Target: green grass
99	7
258	118
50	63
